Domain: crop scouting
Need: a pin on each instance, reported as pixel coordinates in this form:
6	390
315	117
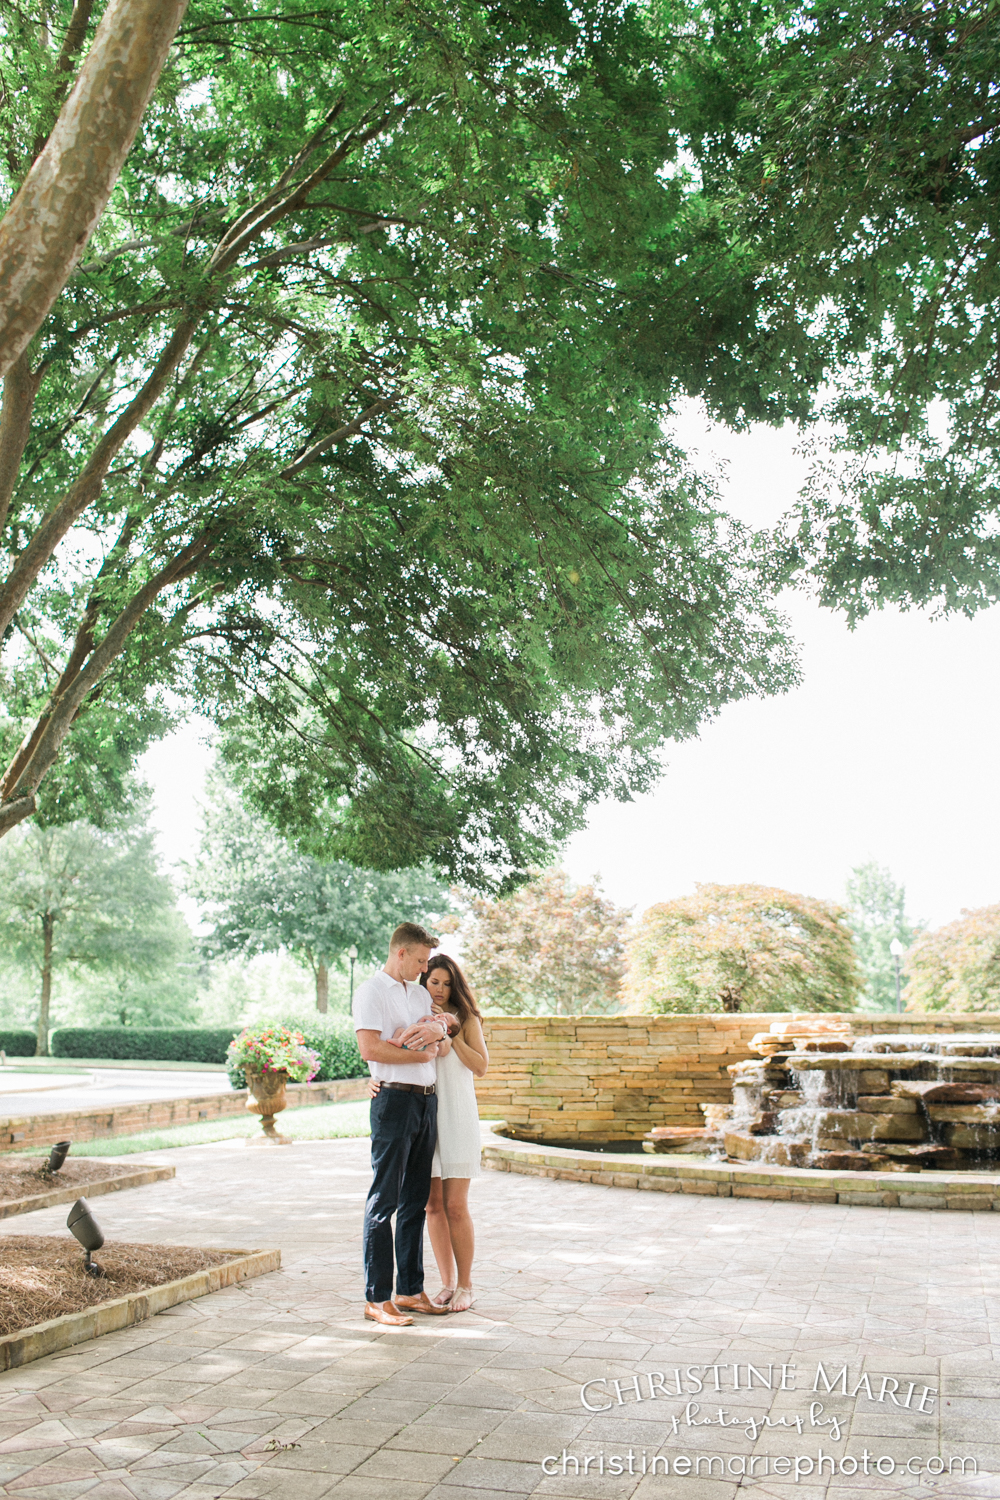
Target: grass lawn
311	1122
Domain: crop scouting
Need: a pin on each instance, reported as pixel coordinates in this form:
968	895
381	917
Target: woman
456	1156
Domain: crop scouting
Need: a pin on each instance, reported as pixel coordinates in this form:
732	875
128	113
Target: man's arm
374	1049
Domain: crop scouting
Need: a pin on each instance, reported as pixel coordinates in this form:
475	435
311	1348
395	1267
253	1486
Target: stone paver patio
278	1389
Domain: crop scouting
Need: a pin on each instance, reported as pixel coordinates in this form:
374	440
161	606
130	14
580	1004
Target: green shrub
18	1043
333	1037
202	1044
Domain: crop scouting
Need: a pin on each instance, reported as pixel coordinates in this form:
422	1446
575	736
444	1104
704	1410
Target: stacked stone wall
584	1078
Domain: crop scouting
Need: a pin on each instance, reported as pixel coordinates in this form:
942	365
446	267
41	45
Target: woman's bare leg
440	1236
455	1194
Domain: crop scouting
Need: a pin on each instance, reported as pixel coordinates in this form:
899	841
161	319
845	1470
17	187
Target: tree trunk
42	1044
46	228
322	987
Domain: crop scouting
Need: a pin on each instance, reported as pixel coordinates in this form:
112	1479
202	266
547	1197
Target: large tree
262	895
742	948
347	429
76	899
550	948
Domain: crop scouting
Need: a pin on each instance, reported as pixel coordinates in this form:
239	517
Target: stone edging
664	1174
77	1328
139	1178
43	1127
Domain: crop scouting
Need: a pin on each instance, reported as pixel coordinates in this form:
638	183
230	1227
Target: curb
107	1317
947	1190
12	1206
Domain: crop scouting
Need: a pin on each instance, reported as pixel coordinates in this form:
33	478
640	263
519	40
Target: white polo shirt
382	1004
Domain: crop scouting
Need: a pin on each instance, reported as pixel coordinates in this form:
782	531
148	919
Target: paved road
278	1390
103	1087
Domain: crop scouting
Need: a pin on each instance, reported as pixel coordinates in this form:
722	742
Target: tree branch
312	454
20	388
46	228
64	705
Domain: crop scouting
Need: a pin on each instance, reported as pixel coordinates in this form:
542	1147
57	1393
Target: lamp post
897	950
352	954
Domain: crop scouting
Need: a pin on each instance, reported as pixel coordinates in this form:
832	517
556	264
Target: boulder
784	1099
973	1137
847	1124
886	1104
841	1161
965	1114
778	1152
899	1128
665	1139
891	1164
927	1155
873	1081
934	1091
741	1145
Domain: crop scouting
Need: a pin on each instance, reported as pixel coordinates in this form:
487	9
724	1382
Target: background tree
877	914
742	948
261	895
355	408
956	967
549	948
79	899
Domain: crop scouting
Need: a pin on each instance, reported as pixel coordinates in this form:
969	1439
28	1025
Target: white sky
887	751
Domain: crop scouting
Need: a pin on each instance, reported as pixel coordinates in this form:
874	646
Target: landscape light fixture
58	1155
85	1228
897	950
352	954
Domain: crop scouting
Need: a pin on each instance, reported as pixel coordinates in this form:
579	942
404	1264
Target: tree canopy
549	948
262	895
853	150
347	429
76	898
741	947
956	967
348	426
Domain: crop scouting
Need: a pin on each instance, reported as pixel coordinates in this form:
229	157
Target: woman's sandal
462	1299
444	1296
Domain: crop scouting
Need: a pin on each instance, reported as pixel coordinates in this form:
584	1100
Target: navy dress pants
404	1132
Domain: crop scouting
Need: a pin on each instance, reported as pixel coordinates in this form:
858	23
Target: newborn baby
396	1040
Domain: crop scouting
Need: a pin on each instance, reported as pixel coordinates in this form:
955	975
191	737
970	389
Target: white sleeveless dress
458	1148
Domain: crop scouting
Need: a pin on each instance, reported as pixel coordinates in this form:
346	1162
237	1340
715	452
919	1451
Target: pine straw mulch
23	1177
42	1276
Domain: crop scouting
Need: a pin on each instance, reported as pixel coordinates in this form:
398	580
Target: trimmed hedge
202	1044
18	1043
333	1037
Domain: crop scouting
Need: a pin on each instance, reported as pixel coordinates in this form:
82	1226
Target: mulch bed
22	1176
42	1276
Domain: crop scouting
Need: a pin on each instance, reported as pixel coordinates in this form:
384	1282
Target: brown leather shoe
421	1304
388	1313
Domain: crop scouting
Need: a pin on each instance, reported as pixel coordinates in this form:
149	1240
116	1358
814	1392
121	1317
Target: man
404	1125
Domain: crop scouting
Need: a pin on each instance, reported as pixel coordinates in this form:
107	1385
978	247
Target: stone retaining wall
43	1129
571	1078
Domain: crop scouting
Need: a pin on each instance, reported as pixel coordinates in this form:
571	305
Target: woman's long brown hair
461	996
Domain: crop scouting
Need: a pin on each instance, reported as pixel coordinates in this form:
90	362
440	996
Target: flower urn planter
266	1098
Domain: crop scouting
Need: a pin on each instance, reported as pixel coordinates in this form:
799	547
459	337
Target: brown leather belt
413	1088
